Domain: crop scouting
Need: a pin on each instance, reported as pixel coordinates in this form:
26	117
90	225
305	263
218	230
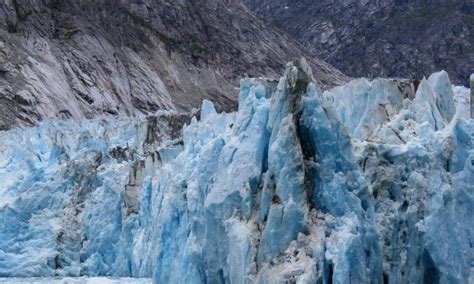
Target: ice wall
69	193
279	191
369	182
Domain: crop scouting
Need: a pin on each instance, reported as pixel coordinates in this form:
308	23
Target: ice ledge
76	280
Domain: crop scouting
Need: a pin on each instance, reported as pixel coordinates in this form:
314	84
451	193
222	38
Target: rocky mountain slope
78	59
391	38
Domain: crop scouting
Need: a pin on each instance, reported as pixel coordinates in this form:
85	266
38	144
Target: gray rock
389	38
82	58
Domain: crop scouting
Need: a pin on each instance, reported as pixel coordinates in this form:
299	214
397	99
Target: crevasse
367	182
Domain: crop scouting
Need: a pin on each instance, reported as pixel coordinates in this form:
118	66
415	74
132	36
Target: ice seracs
367	182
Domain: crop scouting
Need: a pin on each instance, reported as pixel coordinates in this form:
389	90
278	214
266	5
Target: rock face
391	38
61	59
295	186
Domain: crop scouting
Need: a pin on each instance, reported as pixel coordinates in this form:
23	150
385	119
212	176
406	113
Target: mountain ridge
80	59
392	38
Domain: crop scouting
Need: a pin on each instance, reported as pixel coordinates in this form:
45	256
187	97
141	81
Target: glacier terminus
369	182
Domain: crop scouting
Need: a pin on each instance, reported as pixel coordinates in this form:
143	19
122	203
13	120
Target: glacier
370	182
75	280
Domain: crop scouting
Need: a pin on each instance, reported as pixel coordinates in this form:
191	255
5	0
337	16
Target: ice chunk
444	94
207	109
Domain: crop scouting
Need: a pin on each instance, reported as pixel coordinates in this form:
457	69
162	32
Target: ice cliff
368	182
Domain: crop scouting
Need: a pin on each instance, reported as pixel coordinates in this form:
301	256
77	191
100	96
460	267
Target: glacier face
75	280
368	182
69	193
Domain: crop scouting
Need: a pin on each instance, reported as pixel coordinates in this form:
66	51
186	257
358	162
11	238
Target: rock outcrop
408	39
79	59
